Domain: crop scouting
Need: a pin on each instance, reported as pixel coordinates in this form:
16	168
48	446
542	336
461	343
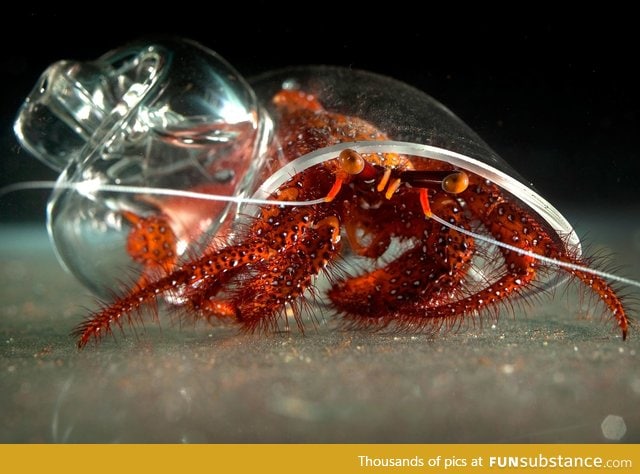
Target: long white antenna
92	186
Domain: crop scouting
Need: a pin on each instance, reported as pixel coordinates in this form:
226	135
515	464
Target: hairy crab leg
284	278
507	222
271	283
208	267
281	252
431	269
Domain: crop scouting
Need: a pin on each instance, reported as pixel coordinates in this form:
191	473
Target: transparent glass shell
173	114
168	114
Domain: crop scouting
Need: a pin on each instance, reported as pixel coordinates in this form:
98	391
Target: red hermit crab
360	179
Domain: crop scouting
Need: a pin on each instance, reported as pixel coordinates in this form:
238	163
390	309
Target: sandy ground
553	373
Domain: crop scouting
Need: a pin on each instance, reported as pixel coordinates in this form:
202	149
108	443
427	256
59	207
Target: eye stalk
452	182
351	162
455	183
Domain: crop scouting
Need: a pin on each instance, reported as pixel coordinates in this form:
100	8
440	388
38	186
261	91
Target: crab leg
430	271
210	266
507	222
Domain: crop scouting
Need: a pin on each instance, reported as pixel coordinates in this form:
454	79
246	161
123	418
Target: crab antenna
90	186
87	187
541	258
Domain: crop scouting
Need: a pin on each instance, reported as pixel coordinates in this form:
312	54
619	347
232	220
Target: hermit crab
252	203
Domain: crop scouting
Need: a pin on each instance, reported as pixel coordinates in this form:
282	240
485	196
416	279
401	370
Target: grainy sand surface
554	374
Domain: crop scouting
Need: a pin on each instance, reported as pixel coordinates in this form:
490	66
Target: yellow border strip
318	458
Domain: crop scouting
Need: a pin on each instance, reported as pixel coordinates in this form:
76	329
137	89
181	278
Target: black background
556	97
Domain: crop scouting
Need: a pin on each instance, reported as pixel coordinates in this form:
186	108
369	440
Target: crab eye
351	161
455	182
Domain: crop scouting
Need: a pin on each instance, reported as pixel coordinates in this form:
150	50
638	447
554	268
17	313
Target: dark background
556	97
